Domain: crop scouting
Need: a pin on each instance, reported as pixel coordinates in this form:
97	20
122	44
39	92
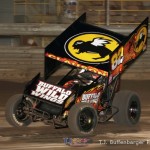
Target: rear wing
129	50
95	49
84	46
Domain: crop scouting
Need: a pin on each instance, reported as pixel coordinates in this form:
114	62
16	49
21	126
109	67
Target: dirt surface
107	136
7	89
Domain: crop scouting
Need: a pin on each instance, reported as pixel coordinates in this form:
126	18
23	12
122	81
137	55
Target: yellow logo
140	41
91	47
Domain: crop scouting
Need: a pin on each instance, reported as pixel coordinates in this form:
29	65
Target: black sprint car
80	87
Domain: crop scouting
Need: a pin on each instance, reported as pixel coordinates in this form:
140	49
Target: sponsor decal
51	92
140	39
76	64
91	97
91	47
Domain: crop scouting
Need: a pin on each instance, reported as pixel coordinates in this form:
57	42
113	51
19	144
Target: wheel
129	107
14	112
82	119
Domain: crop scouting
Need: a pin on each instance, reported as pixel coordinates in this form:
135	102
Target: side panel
130	49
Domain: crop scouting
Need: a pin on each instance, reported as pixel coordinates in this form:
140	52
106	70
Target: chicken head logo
91	47
140	41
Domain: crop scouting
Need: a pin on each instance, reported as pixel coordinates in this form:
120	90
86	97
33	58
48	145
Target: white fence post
107	12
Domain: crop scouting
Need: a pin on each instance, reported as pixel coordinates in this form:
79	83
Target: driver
83	77
87	77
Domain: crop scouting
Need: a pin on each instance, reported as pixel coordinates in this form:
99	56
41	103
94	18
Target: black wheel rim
19	112
86	119
133	110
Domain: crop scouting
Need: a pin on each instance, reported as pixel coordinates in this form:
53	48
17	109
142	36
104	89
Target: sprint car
80	87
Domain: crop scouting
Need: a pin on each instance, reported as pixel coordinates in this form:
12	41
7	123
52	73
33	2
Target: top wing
83	44
95	49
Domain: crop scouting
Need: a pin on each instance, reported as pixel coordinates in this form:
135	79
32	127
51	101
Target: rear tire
82	119
14	112
129	107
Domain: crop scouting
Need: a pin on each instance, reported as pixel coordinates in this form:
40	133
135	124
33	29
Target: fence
106	12
115	12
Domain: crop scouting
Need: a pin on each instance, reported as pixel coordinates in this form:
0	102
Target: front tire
82	119
129	107
14	112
